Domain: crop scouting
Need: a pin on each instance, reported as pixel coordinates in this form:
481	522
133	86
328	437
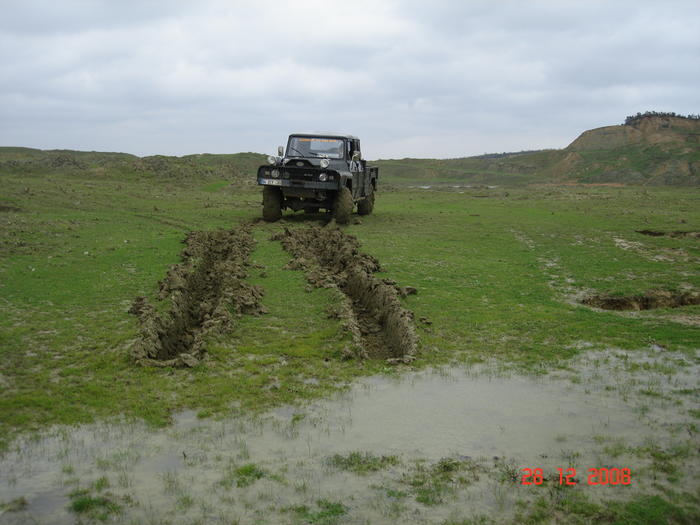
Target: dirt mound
677	233
369	306
205	289
647	301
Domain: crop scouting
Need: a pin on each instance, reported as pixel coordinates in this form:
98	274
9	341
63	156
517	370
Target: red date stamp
596	476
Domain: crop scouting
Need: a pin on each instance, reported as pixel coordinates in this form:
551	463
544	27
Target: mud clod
407	290
647	301
205	291
676	234
368	306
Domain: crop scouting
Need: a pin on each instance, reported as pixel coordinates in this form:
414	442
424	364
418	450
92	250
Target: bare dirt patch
675	234
205	291
690	320
370	307
653	254
647	301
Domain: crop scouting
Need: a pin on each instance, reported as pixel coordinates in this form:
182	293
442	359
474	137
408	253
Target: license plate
271	182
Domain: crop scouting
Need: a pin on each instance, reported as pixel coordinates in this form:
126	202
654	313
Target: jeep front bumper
292	183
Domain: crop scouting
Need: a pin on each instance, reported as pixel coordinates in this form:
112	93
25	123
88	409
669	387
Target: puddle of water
433	415
197	469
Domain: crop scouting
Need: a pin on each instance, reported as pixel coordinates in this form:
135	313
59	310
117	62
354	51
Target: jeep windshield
315	147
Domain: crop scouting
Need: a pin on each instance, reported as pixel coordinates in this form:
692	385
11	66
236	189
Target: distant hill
650	148
504	169
91	163
654	148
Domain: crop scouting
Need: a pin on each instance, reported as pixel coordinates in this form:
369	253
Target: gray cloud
439	79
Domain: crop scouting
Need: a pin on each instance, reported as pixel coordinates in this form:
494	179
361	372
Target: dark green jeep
318	172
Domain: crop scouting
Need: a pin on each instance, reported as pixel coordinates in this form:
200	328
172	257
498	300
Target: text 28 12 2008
596	476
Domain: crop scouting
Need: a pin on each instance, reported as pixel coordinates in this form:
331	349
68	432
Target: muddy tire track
369	307
647	301
205	291
654	254
677	234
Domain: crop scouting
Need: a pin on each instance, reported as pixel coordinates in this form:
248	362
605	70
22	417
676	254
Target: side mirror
280	151
355	155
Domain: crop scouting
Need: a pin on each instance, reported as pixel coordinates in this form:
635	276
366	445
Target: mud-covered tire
272	204
342	208
366	205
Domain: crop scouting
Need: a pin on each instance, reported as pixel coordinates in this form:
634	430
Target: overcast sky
411	78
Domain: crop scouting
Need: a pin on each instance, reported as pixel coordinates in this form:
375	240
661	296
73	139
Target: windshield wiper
299	152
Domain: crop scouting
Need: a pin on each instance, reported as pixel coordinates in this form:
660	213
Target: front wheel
343	206
366	205
272	204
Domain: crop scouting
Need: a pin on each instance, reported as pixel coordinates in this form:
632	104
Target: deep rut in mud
369	307
647	301
205	289
676	234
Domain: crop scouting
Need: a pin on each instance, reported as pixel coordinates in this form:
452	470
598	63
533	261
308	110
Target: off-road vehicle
318	172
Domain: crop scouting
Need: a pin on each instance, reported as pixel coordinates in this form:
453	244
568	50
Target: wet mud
369	307
206	291
647	301
676	234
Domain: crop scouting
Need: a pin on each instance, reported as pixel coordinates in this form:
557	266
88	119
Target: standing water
421	448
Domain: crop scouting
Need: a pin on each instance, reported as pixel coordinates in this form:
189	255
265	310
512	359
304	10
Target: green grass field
495	270
498	271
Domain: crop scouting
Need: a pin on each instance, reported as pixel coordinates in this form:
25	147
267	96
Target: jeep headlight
275	174
272	160
325	163
323	177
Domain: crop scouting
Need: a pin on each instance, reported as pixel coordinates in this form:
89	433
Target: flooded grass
431	446
362	462
94	507
493	277
496	274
